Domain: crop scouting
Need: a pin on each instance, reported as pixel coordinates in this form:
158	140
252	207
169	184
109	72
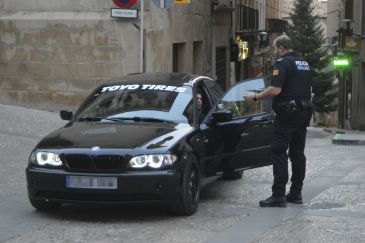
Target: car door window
215	91
233	99
206	103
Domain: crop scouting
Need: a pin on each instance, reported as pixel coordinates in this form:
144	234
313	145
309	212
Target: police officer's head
282	44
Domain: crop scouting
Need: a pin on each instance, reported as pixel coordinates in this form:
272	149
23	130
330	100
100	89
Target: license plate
91	182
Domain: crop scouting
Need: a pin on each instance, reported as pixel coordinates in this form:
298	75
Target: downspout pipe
141	40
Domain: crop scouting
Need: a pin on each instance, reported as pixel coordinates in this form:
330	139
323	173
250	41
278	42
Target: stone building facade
53	53
341	14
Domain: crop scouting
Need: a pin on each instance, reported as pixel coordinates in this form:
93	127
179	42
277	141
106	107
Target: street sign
338	63
182	1
125	3
342	61
352	43
163	3
243	50
124	13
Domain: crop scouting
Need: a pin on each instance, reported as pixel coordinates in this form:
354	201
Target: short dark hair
284	41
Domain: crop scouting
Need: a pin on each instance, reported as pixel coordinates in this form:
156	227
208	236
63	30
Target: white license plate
91	182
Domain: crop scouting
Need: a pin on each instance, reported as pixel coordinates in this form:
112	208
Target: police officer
291	91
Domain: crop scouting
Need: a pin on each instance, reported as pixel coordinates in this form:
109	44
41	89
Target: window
349	9
178	57
215	91
221	66
233	99
247	18
138	100
205	102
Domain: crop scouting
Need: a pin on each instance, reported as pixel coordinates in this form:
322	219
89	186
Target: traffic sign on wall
125	3
182	1
164	4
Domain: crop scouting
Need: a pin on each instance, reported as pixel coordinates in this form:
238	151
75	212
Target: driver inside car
199	109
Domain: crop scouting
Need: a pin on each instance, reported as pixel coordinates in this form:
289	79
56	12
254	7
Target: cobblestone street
333	210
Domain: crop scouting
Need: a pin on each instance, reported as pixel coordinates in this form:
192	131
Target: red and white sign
125	3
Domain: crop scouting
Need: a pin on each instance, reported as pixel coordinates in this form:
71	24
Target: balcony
277	25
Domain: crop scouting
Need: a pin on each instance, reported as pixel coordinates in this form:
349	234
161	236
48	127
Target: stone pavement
333	211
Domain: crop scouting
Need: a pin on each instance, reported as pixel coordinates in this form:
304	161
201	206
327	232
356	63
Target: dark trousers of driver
289	141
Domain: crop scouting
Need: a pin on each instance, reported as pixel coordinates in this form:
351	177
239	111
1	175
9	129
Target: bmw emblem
95	148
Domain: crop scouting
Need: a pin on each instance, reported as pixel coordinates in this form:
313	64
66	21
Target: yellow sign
352	43
182	1
243	48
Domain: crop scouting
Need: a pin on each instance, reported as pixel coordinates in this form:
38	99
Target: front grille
91	163
78	161
108	162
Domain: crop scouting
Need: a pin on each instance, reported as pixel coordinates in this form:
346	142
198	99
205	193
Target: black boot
273	202
294	198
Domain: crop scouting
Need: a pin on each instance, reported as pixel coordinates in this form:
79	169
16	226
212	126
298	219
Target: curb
337	139
334	130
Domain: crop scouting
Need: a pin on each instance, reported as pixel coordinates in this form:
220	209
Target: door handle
264	122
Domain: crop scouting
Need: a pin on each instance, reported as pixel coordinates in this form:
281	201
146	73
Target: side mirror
66	115
222	116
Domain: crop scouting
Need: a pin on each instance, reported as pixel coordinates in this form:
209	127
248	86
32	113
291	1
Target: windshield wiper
116	119
150	119
95	118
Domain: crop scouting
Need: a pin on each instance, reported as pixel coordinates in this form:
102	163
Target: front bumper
133	186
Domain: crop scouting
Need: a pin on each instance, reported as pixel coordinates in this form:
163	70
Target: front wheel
190	190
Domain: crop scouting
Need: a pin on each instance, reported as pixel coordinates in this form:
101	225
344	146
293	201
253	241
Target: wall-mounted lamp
346	24
344	30
262	36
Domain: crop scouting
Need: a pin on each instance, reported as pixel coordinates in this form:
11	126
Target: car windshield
138	102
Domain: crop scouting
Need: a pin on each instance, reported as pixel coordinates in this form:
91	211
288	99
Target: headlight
154	161
45	158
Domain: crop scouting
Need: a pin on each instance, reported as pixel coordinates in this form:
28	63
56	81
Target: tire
42	205
188	201
233	175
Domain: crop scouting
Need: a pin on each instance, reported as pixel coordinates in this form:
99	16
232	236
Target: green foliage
308	38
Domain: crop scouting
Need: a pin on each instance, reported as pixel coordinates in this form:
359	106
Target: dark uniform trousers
289	133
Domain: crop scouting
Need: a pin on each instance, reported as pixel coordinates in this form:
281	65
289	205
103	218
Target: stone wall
53	53
58	61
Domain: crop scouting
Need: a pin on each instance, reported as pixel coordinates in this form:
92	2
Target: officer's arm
269	92
279	74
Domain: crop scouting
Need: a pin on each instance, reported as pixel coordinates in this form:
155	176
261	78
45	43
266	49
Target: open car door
239	132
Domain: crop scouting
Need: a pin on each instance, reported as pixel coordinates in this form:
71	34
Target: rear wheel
190	190
233	175
43	205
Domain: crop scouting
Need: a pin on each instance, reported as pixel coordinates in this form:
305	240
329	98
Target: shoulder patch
279	59
275	72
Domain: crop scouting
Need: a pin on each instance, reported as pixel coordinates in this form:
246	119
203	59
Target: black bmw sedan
152	137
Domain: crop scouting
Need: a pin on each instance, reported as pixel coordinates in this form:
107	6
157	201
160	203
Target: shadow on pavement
108	213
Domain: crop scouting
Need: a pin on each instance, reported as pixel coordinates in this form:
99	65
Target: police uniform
293	111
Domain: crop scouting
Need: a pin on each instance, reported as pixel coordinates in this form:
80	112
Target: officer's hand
249	96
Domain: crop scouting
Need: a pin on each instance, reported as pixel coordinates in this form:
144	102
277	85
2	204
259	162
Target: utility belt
292	106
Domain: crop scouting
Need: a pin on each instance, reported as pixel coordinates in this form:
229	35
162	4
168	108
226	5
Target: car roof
154	78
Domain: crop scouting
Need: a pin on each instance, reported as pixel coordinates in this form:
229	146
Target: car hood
125	135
